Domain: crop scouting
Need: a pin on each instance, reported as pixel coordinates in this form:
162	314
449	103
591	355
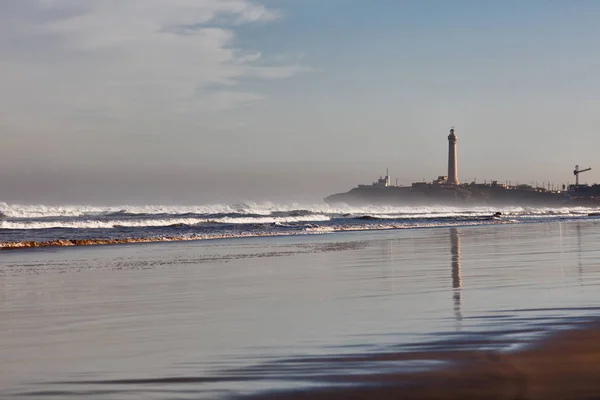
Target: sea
22	225
255	299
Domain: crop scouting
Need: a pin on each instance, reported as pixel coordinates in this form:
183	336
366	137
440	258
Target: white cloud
110	62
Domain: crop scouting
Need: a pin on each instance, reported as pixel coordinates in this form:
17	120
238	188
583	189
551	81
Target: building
452	162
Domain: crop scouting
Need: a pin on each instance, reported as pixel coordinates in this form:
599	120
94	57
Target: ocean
281	299
22	225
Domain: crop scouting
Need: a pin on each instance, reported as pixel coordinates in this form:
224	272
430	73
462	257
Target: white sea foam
228	235
266	208
95	224
42	211
307	229
272	220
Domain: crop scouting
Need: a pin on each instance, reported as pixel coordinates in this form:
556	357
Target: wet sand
473	312
563	366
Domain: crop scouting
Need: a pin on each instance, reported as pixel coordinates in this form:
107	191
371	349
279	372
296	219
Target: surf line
96	242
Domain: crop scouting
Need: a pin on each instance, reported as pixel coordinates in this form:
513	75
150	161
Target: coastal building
383	181
447	189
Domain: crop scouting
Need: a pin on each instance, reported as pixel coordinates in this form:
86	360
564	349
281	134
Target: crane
577	171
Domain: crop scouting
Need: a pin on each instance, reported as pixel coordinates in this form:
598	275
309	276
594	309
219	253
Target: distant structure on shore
448	190
452	162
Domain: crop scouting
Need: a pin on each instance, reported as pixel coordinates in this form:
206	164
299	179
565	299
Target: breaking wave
41	226
131	223
264	209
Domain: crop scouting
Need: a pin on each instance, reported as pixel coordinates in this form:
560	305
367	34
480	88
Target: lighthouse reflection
455	264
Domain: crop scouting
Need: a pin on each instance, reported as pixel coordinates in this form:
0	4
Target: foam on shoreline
96	242
309	230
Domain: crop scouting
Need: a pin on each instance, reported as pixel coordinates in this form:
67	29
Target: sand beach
498	311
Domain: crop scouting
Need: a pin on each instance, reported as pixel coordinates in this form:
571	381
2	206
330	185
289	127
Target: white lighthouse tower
452	167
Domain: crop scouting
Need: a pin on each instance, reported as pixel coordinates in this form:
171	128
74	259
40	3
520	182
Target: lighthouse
452	168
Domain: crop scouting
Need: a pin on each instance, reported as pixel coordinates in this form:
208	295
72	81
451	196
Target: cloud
95	64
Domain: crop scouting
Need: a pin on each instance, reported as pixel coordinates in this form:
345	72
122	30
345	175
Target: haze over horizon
195	101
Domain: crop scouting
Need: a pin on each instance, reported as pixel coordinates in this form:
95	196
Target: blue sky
218	100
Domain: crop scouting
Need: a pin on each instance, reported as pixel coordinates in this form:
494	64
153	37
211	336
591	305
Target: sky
205	101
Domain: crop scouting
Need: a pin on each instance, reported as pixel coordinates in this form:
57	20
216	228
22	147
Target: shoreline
104	242
30	244
561	365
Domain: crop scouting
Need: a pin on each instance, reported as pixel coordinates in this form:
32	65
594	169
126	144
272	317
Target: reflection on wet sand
302	317
563	365
579	252
456	279
388	255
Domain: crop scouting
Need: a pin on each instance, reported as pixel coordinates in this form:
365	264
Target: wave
15	211
92	242
306	230
140	223
369	217
126	240
43	226
247	208
272	220
42	211
97	224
